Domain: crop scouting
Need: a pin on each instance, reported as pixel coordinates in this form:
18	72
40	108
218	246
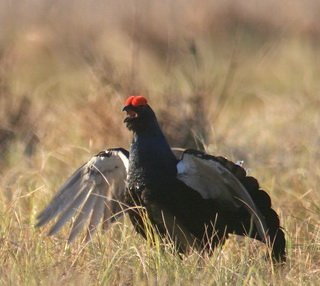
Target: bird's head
140	116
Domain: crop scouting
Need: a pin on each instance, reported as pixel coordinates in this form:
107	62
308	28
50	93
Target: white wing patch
200	174
213	181
94	191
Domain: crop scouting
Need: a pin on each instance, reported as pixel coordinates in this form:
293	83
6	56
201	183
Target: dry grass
239	79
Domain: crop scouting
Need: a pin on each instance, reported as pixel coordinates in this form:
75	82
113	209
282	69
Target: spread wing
206	175
95	191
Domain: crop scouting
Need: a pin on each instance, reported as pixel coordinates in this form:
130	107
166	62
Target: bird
192	199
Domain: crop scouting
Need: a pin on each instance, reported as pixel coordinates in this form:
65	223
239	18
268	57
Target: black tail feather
263	202
275	232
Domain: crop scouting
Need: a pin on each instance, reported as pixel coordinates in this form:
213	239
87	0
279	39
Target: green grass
247	90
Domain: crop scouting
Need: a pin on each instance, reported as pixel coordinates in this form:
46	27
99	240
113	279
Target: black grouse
191	198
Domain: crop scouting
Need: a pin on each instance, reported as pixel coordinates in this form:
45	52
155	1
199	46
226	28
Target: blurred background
237	78
207	66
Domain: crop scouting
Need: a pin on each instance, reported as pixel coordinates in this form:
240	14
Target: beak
130	113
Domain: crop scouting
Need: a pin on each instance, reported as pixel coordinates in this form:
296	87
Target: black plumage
193	198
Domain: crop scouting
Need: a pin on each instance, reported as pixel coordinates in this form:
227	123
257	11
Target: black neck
151	158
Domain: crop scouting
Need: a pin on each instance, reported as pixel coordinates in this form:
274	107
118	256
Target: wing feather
97	215
68	213
96	186
213	181
82	217
62	199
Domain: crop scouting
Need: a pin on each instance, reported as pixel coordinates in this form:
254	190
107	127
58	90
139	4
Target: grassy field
237	79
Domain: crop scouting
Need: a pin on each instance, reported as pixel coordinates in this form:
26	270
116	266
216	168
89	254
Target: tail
275	232
262	200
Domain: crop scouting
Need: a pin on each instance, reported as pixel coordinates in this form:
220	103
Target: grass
240	82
